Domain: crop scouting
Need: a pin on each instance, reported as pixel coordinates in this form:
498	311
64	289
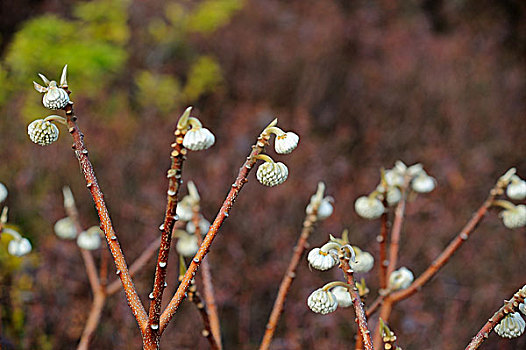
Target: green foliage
93	46
212	14
204	76
157	90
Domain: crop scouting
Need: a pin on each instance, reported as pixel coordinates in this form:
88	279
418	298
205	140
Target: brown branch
208	286
224	211
81	153
174	183
93	320
507	308
290	274
194	297
361	319
375	305
382	240
396	232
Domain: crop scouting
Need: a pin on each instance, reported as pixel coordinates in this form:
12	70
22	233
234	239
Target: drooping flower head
322	301
400	279
271	173
65	228
55	97
90	239
516	189
511	326
42	132
369	207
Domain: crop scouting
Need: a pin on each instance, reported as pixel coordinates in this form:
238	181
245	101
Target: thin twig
361	319
290	274
174	183
81	153
382	240
194	297
179	295
507	308
208	286
396	233
93	320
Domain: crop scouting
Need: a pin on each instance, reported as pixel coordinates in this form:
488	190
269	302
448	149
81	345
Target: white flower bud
187	245
400	279
522	308
511	326
320	260
364	261
272	174
65	228
369	208
90	239
343	297
325	208
19	246
55	97
3	192
197	139
286	143
42	132
423	183
516	189
184	209
322	301
514	218
393	196
204	225
394	178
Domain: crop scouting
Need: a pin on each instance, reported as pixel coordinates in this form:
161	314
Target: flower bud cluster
18	245
390	188
400	279
324	204
90	239
511	326
196	137
328	298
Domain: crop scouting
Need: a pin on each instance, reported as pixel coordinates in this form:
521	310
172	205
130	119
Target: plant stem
134	302
361	319
382	240
194	297
396	233
507	308
93	320
288	278
208	286
179	295
174	183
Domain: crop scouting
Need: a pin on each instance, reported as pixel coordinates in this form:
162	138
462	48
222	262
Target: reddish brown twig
81	153
507	308
290	274
224	211
194	297
208	286
394	244
99	300
361	319
174	183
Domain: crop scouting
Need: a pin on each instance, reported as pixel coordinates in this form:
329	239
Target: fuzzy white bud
3	192
198	138
204	225
19	246
322	301
184	209
343	297
90	239
364	261
187	245
514	218
393	196
400	279
65	228
369	208
42	132
272	174
511	326
325	209
286	143
320	260
423	183
55	97
516	189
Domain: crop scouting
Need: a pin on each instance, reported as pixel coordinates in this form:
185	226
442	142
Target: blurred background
364	83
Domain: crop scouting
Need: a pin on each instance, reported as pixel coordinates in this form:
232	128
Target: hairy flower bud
187	245
19	246
90	239
3	192
204	225
55	97
42	132
514	218
272	174
369	208
325	208
516	189
423	183
286	143
364	261
65	228
400	279
322	301
511	326
343	297
198	138
320	260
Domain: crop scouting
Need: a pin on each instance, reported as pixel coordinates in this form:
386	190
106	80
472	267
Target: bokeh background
364	83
